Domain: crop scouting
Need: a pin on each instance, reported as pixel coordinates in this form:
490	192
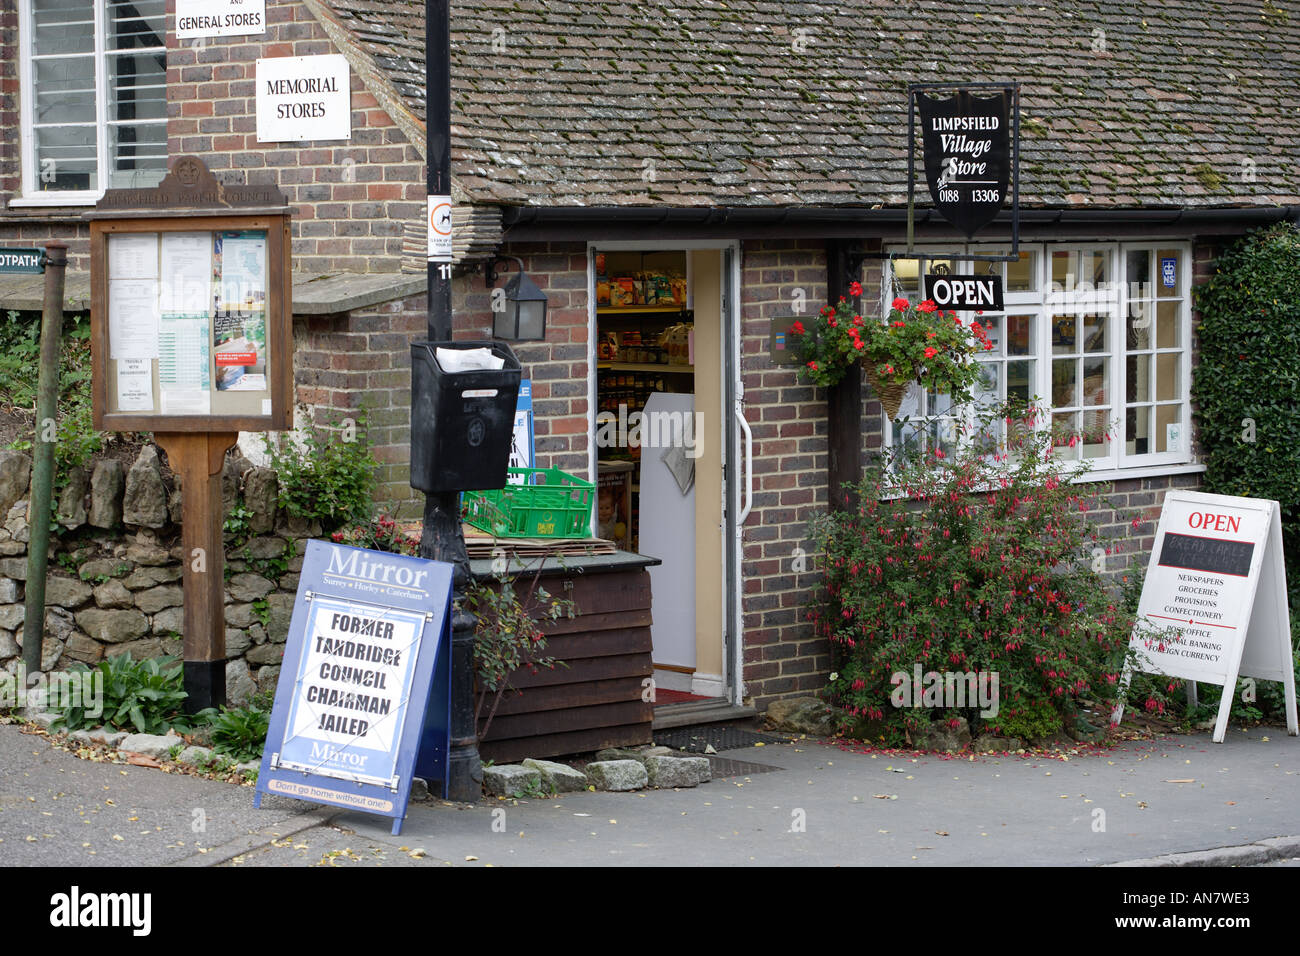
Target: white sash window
93	86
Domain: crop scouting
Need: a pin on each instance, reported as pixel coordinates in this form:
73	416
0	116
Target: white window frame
1116	463
32	195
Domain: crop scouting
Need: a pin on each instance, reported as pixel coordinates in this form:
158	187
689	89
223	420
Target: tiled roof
749	102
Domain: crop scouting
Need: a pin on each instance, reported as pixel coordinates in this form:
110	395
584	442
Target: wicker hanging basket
890	393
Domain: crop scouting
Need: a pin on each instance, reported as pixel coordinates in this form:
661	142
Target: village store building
710	168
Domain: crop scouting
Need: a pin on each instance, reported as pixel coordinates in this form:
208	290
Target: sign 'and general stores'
219	18
967	152
362	705
303	98
1213	604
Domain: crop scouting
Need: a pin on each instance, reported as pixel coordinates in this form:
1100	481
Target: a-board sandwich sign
1213	604
966	144
362	704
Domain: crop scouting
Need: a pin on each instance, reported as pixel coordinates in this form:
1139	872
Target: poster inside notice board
187	323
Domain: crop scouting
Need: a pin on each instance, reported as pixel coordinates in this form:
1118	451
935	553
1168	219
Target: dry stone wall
114	577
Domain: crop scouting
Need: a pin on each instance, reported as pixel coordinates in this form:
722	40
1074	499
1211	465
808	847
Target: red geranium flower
900	304
797	328
813	366
927	306
931	351
855	288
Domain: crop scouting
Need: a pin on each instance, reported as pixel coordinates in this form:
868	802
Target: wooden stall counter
597	700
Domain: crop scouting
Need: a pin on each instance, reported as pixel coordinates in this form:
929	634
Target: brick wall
351	200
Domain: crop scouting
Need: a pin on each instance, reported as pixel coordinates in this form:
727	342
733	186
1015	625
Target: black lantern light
518	309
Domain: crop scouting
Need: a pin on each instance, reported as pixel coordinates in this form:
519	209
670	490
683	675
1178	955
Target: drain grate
721	737
724	767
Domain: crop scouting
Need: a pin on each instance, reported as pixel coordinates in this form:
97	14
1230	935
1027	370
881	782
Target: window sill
1117	474
53	202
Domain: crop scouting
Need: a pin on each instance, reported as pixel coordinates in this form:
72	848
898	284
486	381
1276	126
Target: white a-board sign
1214	604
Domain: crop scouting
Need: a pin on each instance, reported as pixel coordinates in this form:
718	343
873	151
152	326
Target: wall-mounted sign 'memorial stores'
966	143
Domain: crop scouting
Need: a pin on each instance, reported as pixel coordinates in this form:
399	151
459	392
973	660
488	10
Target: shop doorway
663	387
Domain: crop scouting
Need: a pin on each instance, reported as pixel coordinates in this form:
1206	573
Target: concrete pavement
822	804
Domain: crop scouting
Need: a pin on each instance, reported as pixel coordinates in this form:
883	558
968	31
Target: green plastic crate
549	504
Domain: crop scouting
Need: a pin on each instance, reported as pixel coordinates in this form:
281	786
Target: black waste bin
461	422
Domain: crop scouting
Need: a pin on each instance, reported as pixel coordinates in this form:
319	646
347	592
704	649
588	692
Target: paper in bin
468	360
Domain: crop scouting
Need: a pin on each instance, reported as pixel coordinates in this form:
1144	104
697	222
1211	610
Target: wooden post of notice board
191	336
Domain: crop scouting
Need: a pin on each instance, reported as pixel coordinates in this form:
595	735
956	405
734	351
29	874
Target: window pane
1095	390
65	90
1167	415
1020	275
1138	267
1065	383
1167	377
62	26
1137	430
137	87
1065	270
65	157
1137	371
1096	426
1019	332
988	390
1065	436
1139	325
992	324
905	281
1020	378
136	24
139	155
1094	269
1094	333
1167	325
1064	334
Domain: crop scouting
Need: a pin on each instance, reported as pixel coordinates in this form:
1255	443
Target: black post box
461	422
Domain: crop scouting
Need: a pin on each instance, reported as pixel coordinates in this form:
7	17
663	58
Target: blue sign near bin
363	701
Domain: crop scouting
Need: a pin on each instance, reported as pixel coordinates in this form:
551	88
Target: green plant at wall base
240	732
262	611
326	474
1245	384
236	525
977	562
139	696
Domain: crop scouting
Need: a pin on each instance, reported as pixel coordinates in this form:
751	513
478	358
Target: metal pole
38	506
442	538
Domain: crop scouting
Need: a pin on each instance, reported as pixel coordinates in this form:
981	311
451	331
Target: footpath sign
363	701
22	261
1213	604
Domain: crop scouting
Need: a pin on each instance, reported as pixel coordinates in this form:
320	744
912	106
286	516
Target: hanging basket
890	393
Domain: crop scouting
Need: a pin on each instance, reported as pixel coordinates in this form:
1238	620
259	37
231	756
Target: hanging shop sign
362	706
967	148
1214	604
303	98
965	293
219	18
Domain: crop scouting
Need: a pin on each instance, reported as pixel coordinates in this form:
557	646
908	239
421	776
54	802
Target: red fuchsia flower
855	288
900	304
931	351
797	328
927	306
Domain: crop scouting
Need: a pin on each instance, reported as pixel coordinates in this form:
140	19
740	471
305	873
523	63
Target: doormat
664	697
724	767
696	739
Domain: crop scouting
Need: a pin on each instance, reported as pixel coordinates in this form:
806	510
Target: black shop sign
966	144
